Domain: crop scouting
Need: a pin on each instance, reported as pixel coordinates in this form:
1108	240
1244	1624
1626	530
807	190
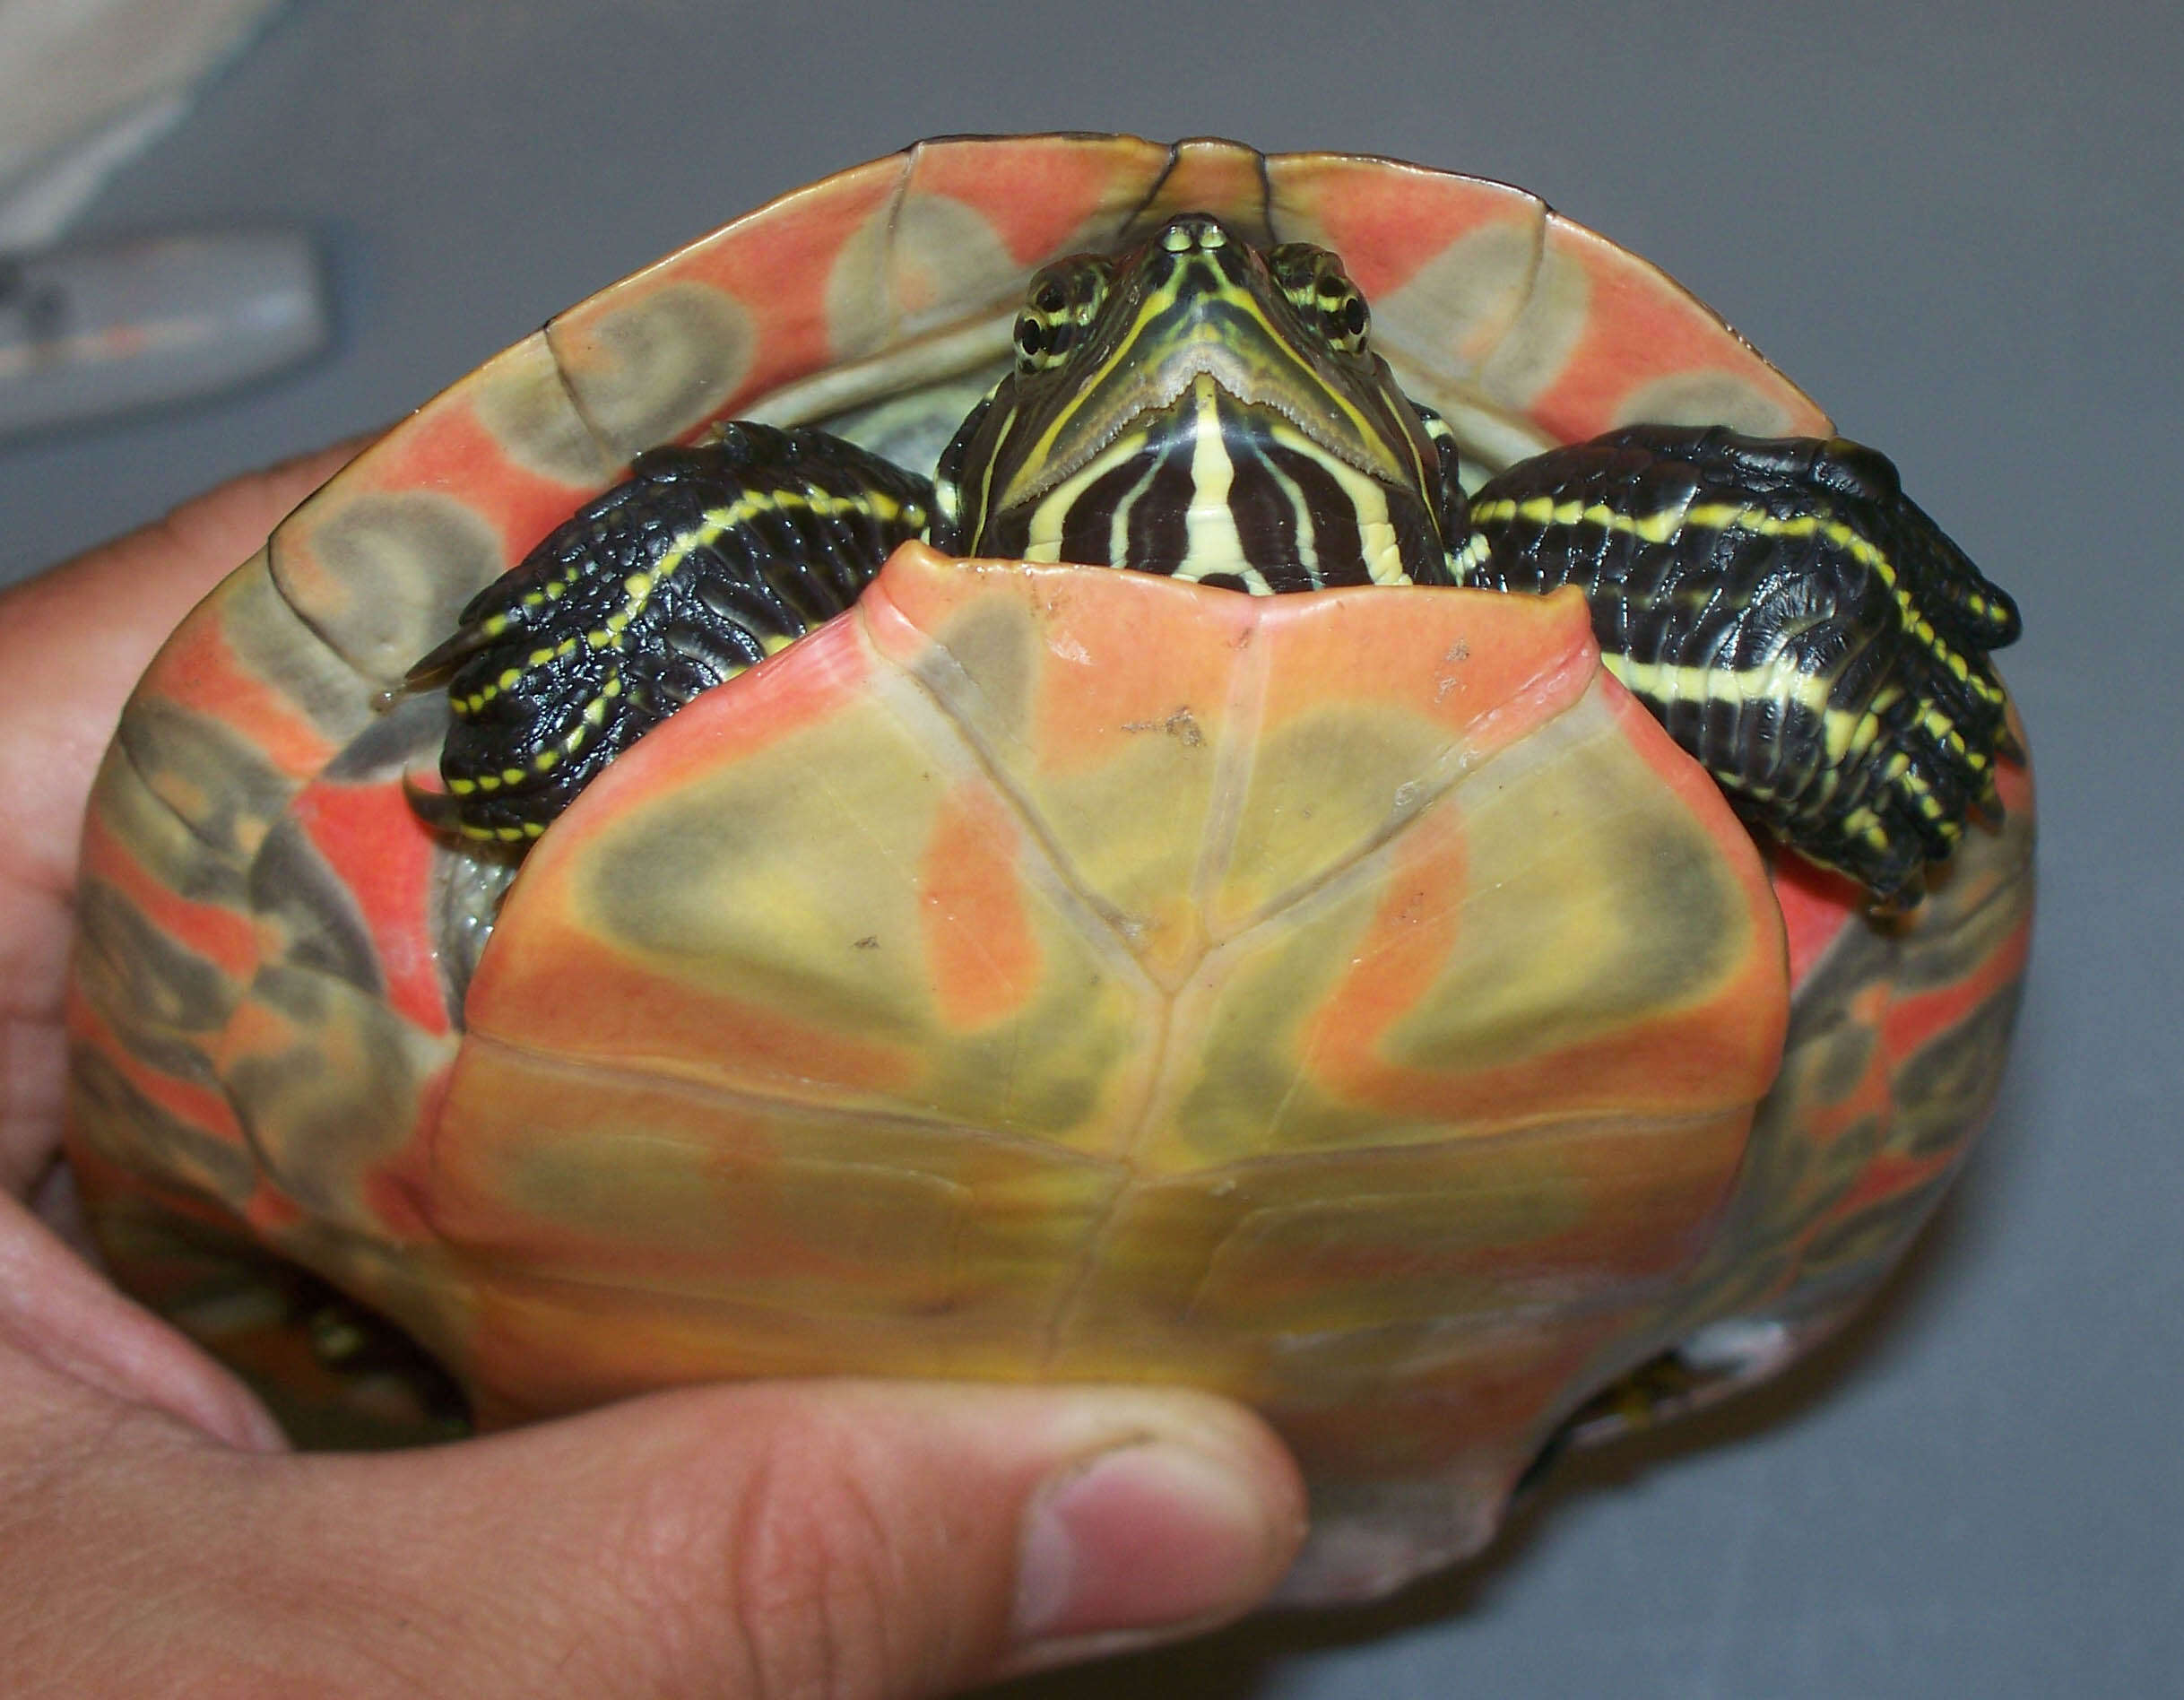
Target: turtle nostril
1192	230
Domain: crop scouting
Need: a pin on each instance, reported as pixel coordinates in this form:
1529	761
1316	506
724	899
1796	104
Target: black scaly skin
1829	573
746	542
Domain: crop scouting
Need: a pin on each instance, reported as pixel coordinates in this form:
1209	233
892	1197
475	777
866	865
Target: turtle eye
1317	287
1346	321
1058	303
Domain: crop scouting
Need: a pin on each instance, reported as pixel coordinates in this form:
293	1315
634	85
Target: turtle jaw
1213	488
1194	333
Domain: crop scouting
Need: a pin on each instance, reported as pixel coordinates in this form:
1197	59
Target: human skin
156	1536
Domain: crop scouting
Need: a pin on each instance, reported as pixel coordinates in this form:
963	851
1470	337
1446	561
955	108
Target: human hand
776	1538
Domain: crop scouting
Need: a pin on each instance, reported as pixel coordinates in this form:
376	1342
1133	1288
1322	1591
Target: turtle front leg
705	561
1794	620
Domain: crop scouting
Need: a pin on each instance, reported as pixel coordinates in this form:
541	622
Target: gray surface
1961	234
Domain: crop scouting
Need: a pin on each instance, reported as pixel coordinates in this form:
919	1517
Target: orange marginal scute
1913	1022
188	1102
1640	325
1387	223
1209	175
448	449
200	670
769	263
1042	192
223	936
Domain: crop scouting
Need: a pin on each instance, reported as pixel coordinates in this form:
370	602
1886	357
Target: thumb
839	1539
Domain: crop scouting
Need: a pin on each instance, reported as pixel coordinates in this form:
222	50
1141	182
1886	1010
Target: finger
60	1315
855	1538
776	1540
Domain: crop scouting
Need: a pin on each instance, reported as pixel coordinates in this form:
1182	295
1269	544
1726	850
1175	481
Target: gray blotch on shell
129	1129
1705	398
295	897
211	779
653	369
162	997
524	400
344	1097
412	560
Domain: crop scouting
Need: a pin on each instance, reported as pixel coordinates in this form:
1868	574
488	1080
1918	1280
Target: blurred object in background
85	86
94	329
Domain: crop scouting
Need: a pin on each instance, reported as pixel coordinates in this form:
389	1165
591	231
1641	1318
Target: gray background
1957	227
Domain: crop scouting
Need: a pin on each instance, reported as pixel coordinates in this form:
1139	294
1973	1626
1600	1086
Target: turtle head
1206	409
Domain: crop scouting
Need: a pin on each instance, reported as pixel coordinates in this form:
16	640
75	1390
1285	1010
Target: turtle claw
700	563
1797	624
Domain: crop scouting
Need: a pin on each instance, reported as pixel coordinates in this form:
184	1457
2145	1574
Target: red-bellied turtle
1373	1003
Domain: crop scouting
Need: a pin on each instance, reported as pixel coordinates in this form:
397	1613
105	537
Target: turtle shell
1352	1002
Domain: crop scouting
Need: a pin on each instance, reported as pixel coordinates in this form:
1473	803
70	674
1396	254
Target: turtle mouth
1167	387
1198	304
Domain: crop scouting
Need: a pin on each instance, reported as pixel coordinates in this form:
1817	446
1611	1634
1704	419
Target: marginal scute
392	573
933	264
1723	397
163	995
1637	327
655	369
1454	310
1448	263
523	399
136	1132
1043	196
284	660
329	1081
710	329
206	772
1945	1084
1536	349
1208	174
128	815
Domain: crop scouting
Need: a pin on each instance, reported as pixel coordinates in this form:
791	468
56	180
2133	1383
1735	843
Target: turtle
688	859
